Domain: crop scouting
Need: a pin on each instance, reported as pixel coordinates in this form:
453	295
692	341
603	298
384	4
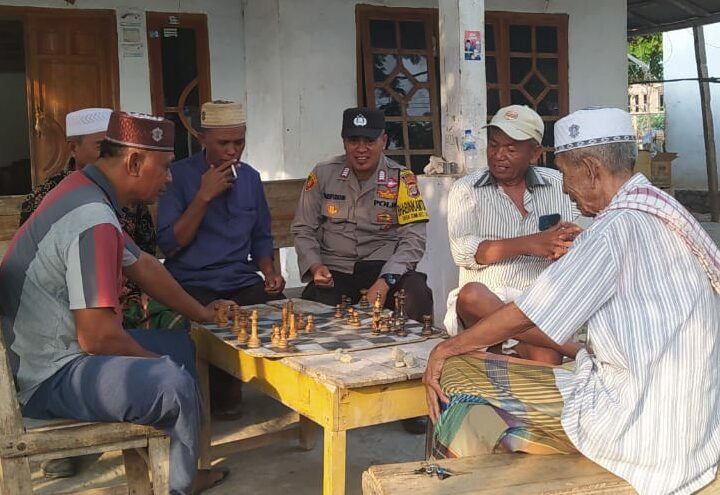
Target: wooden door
71	63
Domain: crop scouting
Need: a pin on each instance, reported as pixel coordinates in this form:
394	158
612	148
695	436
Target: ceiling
651	16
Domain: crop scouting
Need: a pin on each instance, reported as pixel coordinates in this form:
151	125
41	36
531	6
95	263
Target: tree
648	49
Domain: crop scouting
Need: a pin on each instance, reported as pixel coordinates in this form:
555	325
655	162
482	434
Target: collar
637	179
94	174
532	179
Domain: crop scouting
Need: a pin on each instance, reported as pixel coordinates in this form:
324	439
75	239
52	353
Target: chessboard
346	328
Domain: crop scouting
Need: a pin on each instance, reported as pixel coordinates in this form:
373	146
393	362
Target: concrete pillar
462	82
263	80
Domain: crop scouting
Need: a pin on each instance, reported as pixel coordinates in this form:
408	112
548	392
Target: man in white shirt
506	224
644	398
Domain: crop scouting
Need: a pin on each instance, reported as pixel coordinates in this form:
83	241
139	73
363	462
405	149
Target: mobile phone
547	221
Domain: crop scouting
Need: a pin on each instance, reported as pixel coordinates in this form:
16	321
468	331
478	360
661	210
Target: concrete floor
278	469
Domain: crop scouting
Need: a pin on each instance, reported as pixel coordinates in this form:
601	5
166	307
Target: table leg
203	377
335	450
307	433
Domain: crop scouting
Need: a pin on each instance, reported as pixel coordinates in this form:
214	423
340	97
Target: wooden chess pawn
283	341
427	328
301	321
338	311
310	326
254	340
355	319
385	324
378	301
401	331
364	303
242	335
275	336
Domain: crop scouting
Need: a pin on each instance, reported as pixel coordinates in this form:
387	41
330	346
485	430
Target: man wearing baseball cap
495	224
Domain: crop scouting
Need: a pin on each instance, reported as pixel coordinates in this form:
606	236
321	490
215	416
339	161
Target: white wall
225	39
683	117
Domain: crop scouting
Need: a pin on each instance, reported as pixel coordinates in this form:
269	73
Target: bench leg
203	377
307	433
159	462
136	472
335	451
15	476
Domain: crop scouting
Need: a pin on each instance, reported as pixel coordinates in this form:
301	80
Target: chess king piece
221	315
427	328
254	341
310	326
292	327
364	303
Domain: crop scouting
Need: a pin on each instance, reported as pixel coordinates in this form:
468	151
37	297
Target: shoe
59	468
416	426
228	414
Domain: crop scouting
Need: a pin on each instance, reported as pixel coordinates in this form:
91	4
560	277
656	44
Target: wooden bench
502	474
146	450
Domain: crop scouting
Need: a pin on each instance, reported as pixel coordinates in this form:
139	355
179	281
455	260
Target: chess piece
236	319
364	303
385	327
401	331
376	321
397	302
292	327
284	316
275	336
242	335
338	311
310	325
397	356
283	341
221	315
409	359
378	302
401	305
254	341
291	306
300	323
355	319
427	328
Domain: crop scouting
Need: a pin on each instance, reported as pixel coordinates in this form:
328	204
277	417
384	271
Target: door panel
71	64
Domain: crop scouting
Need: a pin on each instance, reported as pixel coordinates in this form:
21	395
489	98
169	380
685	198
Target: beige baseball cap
520	122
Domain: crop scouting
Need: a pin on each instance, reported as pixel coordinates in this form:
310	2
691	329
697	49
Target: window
397	72
179	73
527	64
662	102
636	103
645	103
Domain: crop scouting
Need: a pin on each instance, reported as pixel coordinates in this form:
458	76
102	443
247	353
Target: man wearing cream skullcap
642	399
73	359
214	228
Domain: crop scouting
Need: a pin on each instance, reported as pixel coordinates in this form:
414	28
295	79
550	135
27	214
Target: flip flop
224	474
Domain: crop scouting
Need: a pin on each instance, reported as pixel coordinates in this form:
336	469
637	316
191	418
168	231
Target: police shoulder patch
311	181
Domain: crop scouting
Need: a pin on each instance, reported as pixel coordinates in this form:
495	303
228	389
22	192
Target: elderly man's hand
431	380
553	243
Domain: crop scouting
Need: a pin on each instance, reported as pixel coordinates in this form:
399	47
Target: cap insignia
574	130
157	134
511	115
360	120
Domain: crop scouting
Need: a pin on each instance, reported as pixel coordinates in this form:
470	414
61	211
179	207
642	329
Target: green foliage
649	49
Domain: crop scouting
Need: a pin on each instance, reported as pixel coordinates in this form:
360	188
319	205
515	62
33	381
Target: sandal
207	479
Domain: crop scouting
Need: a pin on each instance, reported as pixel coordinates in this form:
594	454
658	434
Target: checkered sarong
499	404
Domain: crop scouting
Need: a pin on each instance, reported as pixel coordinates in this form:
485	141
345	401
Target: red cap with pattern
139	130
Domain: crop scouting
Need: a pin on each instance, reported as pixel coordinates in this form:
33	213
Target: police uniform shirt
341	220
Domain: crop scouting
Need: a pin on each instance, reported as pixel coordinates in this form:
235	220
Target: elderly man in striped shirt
643	399
507	223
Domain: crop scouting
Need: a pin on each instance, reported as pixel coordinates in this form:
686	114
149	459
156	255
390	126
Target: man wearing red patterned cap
72	358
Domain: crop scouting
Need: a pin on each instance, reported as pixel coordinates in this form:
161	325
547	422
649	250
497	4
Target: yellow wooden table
337	396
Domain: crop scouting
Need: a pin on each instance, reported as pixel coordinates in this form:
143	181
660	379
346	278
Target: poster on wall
473	45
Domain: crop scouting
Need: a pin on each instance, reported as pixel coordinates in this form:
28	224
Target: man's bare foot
209	478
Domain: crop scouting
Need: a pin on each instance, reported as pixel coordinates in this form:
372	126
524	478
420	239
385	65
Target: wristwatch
390	278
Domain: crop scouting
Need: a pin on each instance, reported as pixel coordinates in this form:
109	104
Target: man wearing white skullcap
642	398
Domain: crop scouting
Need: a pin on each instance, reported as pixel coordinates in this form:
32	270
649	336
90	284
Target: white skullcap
87	121
592	127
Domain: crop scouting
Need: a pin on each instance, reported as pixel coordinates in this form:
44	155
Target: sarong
499	404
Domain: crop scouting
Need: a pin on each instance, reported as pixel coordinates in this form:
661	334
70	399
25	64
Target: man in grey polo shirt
61	315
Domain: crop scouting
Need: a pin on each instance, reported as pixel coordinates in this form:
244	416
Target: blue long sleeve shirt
234	232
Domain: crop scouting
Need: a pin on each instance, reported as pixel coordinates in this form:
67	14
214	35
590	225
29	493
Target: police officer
360	223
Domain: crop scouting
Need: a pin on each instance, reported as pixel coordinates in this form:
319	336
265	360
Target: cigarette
232	167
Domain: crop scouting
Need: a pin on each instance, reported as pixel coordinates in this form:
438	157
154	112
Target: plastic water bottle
470	152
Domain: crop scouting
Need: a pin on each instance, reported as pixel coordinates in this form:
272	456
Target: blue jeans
160	392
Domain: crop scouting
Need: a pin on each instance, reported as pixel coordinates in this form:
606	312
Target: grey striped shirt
479	210
646	405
